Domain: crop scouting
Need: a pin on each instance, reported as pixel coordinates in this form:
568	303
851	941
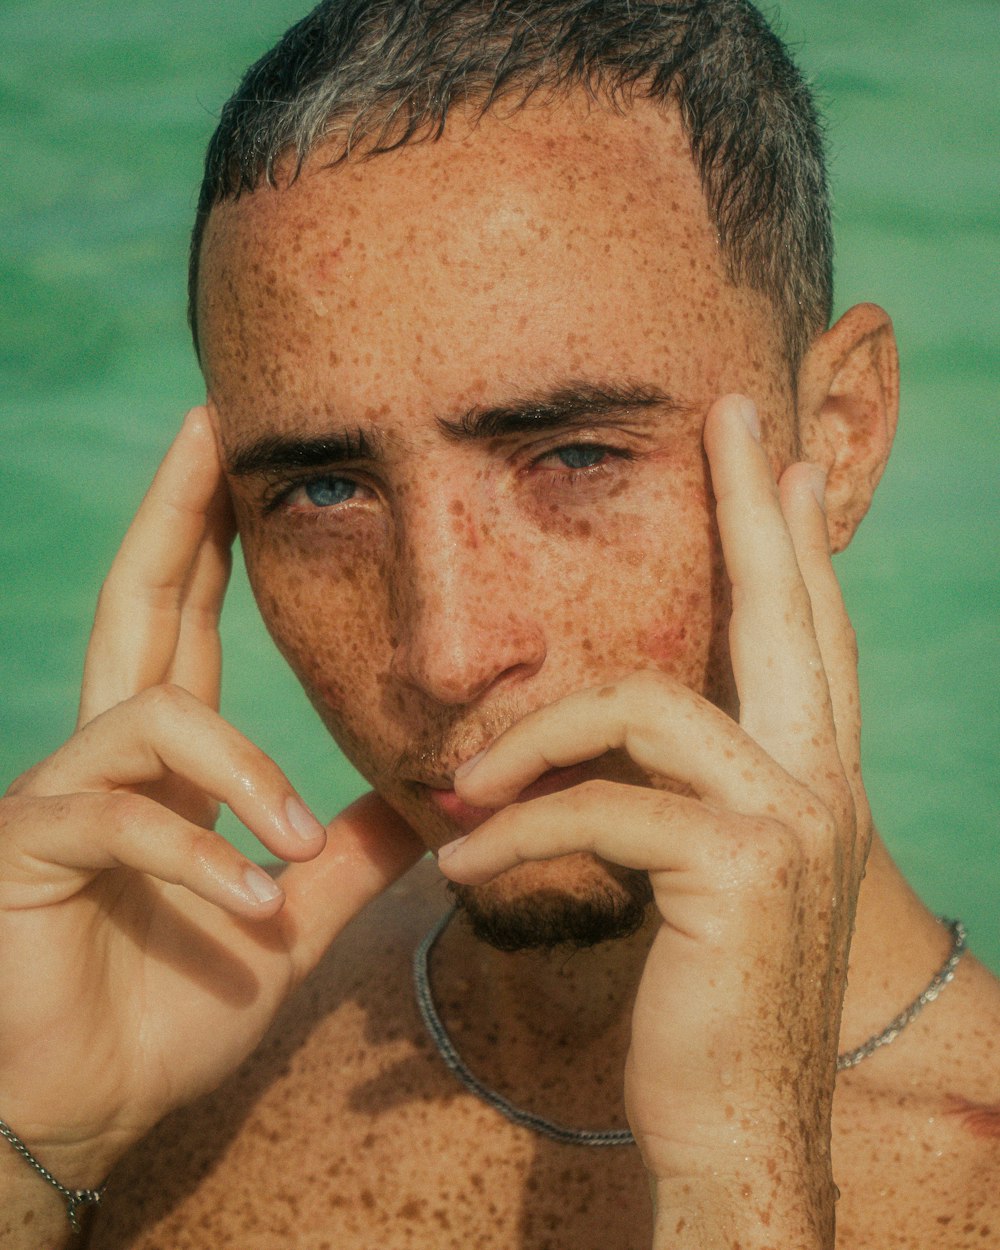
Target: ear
848	403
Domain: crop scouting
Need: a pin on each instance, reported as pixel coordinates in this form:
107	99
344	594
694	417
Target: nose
466	621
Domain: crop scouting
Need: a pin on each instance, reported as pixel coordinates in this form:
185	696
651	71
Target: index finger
138	619
784	695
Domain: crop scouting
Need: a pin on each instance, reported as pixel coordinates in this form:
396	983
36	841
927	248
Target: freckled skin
414	634
463	586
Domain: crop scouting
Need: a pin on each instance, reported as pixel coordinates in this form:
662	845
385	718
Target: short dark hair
377	74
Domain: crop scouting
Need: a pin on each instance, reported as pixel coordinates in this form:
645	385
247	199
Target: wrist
753	1208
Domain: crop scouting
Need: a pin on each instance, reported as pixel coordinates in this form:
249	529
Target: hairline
290	164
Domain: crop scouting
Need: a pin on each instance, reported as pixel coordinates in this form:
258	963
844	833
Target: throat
547	1030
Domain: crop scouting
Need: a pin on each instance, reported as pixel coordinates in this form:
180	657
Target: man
481	408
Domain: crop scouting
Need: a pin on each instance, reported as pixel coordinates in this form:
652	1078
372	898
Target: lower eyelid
280	497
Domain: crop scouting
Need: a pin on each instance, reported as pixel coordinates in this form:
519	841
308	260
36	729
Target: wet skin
430	588
428	583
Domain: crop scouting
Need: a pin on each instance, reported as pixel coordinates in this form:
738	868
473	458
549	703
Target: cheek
324	612
653	601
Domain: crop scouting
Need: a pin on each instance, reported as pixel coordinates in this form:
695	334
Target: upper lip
578	772
443	777
437	781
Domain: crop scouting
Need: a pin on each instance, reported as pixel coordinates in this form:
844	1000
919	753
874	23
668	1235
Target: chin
575	901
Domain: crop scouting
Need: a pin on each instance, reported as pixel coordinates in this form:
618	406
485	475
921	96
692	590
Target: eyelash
278	494
566	475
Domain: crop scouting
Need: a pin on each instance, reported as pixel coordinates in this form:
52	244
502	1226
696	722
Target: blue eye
581	456
326	492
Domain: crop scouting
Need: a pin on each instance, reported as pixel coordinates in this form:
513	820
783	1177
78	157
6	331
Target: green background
106	109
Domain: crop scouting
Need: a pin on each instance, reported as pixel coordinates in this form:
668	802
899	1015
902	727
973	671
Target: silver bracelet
75	1198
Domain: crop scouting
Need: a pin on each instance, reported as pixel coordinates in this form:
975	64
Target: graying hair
372	75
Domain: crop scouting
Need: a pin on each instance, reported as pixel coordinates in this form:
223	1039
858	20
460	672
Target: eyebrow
564	407
274	453
567	406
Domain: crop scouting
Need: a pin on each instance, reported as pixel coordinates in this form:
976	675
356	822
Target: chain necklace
74	1198
623	1137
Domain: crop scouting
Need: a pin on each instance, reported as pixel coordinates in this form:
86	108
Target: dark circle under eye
581	457
324	492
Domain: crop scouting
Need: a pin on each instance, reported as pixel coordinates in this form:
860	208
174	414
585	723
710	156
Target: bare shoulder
918	1129
337	1052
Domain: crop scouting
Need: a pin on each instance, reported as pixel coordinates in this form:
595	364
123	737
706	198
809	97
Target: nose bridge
460	625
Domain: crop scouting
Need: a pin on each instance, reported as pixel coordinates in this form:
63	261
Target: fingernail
817	484
748	411
302	821
261	886
463	770
450	848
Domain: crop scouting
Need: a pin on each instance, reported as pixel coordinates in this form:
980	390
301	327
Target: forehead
564	241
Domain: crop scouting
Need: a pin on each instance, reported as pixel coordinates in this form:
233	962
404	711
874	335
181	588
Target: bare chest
401	1158
347	1132
393	1153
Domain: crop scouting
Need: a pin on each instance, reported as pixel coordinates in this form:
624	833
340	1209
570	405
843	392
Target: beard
606	909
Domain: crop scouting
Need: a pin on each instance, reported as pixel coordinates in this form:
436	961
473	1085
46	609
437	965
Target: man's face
461	390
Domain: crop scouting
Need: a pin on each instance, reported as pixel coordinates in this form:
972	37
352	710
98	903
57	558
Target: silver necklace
622	1137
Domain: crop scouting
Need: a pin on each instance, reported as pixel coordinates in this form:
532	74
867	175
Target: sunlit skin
466	400
462	583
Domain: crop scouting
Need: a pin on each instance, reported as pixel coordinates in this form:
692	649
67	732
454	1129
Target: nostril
459	665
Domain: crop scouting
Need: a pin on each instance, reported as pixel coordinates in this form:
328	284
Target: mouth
465	817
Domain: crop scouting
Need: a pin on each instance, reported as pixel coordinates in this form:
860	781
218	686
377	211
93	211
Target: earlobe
848	402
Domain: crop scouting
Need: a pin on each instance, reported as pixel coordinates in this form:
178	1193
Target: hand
755	868
143	956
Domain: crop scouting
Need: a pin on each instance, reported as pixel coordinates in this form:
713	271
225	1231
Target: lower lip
467	818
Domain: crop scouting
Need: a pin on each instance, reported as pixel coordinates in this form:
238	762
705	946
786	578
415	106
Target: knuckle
164	700
779	851
823	826
764	855
645	695
125	812
200	846
591	791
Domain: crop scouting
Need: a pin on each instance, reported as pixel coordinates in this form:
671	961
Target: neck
550	1030
898	945
530	1024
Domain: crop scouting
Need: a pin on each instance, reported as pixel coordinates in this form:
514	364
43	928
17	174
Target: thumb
368	847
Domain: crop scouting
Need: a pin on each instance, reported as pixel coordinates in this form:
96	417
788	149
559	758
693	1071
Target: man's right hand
142	956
